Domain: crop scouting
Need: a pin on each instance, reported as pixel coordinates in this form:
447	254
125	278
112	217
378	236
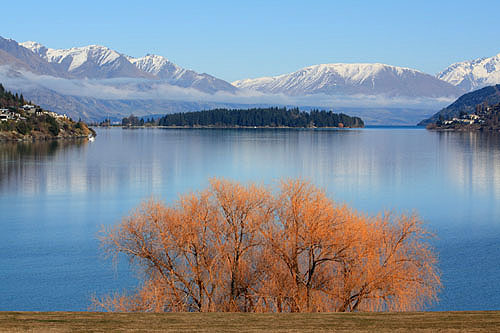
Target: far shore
221	127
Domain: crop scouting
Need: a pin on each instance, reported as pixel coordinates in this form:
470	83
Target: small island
272	117
21	120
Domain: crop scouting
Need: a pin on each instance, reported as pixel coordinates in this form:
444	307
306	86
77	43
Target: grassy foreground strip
476	321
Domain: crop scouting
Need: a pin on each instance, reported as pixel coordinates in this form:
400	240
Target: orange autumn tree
250	248
390	267
307	238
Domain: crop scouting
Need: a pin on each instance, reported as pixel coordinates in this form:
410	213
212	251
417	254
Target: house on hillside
55	115
6	114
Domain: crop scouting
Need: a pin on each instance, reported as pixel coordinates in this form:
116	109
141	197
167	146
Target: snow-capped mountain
18	57
164	69
93	61
473	74
353	79
157	65
95	81
100	62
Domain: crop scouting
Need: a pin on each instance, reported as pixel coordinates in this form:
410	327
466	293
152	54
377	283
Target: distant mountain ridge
352	79
92	61
473	74
161	68
13	54
94	82
101	62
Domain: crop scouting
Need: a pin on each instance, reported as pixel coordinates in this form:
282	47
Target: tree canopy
261	117
251	248
10	100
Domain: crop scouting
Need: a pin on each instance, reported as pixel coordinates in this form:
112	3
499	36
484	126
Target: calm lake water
56	196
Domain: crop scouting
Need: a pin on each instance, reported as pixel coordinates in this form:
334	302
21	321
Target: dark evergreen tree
260	117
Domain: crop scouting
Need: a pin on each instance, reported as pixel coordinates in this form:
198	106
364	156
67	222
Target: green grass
477	321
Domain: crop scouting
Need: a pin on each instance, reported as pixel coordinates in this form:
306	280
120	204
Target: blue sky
239	39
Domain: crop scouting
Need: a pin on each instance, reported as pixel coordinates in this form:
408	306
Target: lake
56	196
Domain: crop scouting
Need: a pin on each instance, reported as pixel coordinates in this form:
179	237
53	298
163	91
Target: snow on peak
154	64
35	47
355	72
101	62
358	72
99	55
354	78
473	74
32	45
74	57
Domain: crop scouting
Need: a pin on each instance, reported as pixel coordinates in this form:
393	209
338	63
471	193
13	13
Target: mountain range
473	74
352	79
100	62
94	82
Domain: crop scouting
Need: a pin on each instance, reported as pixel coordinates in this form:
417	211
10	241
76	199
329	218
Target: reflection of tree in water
36	150
22	159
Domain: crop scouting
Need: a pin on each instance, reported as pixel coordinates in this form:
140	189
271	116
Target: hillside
19	57
22	120
466	104
485	118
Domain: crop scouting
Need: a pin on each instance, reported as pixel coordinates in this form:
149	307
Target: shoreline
44	138
464	130
222	127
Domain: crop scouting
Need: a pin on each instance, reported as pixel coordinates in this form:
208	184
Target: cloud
141	89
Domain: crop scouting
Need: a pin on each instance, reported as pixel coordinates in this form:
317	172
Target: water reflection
34	167
354	164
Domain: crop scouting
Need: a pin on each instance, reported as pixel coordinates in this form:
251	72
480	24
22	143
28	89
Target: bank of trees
9	99
261	117
249	248
132	121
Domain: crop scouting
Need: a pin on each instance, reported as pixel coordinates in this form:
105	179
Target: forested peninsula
478	110
256	117
22	120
